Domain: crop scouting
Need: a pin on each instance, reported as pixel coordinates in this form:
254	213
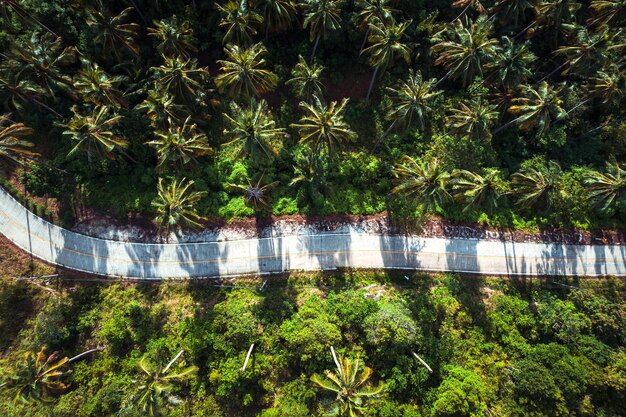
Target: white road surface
321	251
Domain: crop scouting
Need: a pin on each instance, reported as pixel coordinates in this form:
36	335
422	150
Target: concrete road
320	251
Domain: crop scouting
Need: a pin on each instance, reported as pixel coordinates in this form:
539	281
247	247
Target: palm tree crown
112	34
254	130
12	145
239	21
175	205
174	38
243	73
427	181
350	383
180	144
537	108
307	79
323	125
607	190
473	120
464	48
410	100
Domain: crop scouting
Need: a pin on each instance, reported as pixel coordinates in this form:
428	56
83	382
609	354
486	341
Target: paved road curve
299	252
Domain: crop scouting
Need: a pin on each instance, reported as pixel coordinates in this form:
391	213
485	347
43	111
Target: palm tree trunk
89	352
462	13
369	90
520	33
367	33
45	106
504	126
317	41
169	365
442	79
557	69
579	104
384	135
141	15
245	363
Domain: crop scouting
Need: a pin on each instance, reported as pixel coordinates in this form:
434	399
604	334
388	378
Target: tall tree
156	385
607	12
306	80
182	78
536	108
112	33
239	21
607	190
41	59
256	195
465	47
410	101
175	205
371	11
93	133
513	66
473	120
426	181
17	90
478	190
38	377
386	45
535	187
174	37
321	17
180	144
96	86
350	384
323	126
254	130
243	73
13	147
162	110
585	56
278	15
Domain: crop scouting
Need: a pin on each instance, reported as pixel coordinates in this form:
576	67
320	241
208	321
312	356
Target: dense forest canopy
438	346
505	112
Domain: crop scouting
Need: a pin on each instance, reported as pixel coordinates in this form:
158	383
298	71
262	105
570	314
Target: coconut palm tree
13	147
323	125
243	73
557	15
174	37
162	110
113	35
93	133
175	205
386	45
608	87
278	15
465	47
350	383
306	79
426	181
472	120
38	377
18	90
254	130
513	65
512	11
40	58
321	17
536	108
410	101
534	187
476	190
181	78
180	144
607	190
238	21
307	176
156	385
96	86
371	11
585	56
256	195
606	12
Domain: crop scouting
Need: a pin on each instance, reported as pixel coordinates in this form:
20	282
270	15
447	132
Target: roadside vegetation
366	343
506	113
